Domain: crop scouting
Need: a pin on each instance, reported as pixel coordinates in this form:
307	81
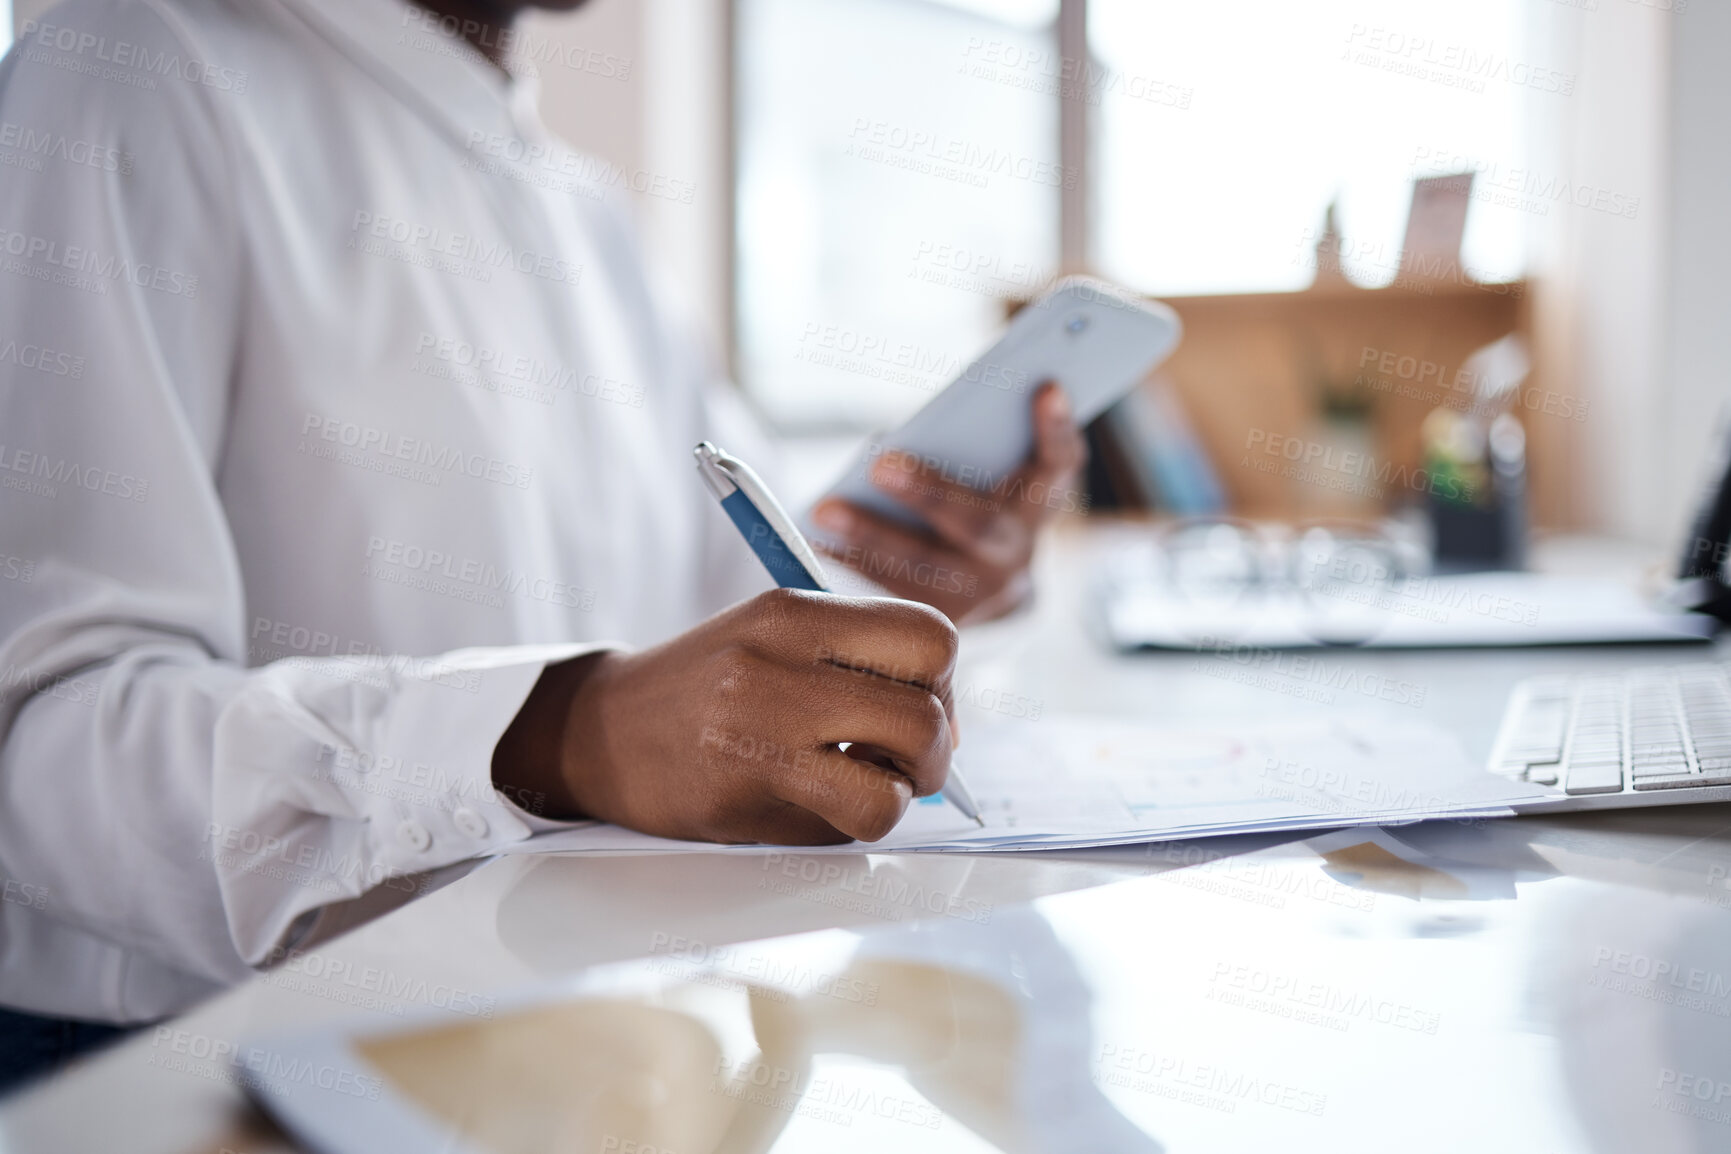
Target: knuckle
843	627
937	630
929	719
928	745
780	611
880	812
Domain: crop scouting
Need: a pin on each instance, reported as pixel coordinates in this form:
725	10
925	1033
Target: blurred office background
850	194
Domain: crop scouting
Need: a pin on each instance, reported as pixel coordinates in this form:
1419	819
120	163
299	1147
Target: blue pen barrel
782	565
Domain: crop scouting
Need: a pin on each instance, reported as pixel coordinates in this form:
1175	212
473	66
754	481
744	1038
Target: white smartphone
1093	339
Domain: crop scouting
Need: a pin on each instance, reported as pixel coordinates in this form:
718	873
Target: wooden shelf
1252	367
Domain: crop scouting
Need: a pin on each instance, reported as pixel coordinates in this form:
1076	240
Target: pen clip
714	473
723	475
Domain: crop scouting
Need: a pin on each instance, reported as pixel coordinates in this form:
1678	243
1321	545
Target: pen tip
979	821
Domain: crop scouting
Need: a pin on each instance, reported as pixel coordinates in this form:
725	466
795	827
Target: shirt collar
441	75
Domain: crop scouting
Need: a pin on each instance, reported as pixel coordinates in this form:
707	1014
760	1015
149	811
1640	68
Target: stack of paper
1071	782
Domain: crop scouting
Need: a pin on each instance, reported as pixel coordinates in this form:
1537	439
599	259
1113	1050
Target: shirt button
469	823
414	835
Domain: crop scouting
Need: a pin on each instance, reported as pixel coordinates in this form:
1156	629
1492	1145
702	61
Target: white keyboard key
1668	768
1679	781
1601	777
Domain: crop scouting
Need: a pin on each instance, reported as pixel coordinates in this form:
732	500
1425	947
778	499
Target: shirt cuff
335	775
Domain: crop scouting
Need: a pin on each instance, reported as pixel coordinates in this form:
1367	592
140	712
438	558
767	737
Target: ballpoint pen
787	555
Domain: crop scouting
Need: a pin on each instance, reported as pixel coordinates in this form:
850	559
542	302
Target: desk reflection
941	1035
1558	984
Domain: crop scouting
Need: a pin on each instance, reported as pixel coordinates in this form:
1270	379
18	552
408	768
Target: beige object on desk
565	1078
601	1074
957	1036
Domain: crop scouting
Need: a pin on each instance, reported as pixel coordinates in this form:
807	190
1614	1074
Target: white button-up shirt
322	366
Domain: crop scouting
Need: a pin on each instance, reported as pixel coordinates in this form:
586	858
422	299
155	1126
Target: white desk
1551	895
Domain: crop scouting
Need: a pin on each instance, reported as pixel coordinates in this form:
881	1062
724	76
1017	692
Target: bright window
1223	131
899	174
895	185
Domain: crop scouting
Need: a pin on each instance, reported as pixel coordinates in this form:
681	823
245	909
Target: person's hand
729	732
973	562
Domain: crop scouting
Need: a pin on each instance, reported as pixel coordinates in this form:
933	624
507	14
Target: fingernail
833	516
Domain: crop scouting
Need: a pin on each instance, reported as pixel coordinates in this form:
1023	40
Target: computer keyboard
1646	729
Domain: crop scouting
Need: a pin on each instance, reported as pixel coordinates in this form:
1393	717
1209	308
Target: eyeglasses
1335	582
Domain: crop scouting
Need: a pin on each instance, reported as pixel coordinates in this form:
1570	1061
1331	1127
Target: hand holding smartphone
1093	339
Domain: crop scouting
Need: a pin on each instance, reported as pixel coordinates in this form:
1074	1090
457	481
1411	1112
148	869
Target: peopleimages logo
780	975
39	683
1516	186
467	578
1329	466
520	45
481	365
86	47
876	355
1452	65
1414	376
57	146
1159	1073
834	883
589	175
40	358
437	459
36	472
24	894
328	975
827	1099
935	154
1072	77
84	261
465	248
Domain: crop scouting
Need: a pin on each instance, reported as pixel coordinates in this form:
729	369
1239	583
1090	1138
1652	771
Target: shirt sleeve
165	797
